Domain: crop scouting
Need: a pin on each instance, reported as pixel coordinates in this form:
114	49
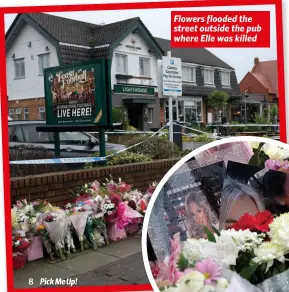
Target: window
208	75
144	67
18	114
150	115
189	74
121	63
225	78
15	134
26	113
43	62
19	68
193	111
42	114
32	136
11	113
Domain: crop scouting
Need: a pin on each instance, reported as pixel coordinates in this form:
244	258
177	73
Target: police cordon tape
79	159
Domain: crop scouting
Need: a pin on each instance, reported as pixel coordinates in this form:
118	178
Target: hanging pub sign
78	94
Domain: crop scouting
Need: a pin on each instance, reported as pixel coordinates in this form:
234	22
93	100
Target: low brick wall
55	187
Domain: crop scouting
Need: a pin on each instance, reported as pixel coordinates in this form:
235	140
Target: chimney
256	61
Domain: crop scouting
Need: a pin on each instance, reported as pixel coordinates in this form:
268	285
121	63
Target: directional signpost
171	83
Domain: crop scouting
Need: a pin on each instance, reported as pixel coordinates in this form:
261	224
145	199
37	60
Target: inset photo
221	226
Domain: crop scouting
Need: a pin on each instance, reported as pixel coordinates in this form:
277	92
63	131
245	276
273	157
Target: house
260	86
37	41
202	73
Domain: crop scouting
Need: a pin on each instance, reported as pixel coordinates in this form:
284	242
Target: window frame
194	73
20	69
42	112
41	56
125	70
25	113
9	112
18	114
148	69
224	73
205	72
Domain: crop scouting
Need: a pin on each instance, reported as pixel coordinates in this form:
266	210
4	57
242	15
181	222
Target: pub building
134	52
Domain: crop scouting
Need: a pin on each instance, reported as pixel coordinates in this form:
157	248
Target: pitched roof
76	32
86	35
267	74
197	55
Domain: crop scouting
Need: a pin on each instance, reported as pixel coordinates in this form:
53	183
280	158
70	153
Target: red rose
259	222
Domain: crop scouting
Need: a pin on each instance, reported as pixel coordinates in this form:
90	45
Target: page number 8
30	281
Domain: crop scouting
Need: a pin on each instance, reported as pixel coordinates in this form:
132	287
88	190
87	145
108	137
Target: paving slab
87	262
119	263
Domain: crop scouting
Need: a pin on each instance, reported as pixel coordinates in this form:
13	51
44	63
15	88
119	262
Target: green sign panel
128	89
78	94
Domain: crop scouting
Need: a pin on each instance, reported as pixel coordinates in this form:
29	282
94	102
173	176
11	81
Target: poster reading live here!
74	95
219	29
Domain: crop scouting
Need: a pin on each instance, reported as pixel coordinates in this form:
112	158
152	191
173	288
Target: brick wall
32	104
55	187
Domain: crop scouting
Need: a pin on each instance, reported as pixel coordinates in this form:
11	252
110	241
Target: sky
158	22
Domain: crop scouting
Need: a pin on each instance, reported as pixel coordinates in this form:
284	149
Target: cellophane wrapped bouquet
250	256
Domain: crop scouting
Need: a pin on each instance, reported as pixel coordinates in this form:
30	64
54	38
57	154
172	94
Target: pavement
119	263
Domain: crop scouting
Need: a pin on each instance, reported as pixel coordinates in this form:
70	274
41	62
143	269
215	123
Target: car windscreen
67	138
73	138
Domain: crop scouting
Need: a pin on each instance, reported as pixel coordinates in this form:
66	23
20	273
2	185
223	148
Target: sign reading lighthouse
77	94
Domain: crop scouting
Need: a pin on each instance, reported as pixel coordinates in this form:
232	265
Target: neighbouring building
37	41
259	88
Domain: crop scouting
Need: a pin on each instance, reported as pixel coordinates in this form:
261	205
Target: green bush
155	147
120	159
200	138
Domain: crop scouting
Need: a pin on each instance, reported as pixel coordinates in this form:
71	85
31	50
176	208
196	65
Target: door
135	115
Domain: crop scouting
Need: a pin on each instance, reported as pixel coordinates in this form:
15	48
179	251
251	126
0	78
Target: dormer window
225	78
189	73
208	75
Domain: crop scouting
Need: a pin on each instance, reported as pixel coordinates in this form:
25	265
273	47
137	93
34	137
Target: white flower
267	252
244	239
193	281
222	283
279	231
17	243
273	151
33	220
192	249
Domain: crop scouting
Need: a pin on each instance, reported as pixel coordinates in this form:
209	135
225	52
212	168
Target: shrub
24	152
120	159
155	147
200	138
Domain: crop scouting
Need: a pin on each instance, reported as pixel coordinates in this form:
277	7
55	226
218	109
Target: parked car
72	144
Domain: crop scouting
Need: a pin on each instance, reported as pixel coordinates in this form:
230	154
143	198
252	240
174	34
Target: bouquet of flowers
55	224
254	252
108	209
120	188
19	243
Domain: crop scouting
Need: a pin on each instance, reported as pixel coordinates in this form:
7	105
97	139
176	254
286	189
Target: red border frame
115	6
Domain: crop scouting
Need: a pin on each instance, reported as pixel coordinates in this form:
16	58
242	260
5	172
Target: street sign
78	94
172	76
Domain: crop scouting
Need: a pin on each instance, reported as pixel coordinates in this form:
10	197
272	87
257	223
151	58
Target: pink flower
111	188
209	269
173	273
276	164
95	185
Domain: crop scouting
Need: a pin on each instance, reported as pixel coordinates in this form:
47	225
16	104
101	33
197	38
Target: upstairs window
144	67
208	74
121	64
19	68
189	74
225	78
43	62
